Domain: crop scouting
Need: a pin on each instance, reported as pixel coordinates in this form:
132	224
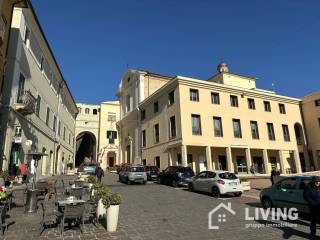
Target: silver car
216	183
132	174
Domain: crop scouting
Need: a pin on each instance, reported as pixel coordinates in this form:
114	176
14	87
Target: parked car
216	183
286	193
152	172
176	176
89	168
122	166
132	174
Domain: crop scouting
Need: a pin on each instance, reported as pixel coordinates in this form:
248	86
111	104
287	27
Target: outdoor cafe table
63	203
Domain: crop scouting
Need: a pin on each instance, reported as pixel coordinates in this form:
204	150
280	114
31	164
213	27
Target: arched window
87	111
95	111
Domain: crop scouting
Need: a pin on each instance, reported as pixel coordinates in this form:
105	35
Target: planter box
112	218
101	210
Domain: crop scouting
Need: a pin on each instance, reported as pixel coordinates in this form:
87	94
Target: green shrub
92	179
4	174
115	199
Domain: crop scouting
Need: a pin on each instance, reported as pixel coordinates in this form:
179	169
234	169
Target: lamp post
31	205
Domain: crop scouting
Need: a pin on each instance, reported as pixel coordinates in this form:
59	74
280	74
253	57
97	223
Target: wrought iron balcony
26	103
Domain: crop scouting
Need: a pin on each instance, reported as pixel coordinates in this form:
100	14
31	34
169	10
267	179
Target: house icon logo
220	211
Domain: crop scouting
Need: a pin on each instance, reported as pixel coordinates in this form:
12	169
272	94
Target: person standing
312	195
99	173
23	171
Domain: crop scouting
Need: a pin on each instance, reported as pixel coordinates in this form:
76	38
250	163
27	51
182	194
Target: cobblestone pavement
154	211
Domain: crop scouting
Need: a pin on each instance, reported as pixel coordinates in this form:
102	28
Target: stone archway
86	148
299	133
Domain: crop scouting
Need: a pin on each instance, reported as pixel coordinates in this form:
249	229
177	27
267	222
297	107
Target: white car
216	183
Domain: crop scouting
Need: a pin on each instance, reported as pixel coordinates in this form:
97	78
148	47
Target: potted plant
113	211
3	194
101	196
91	181
245	184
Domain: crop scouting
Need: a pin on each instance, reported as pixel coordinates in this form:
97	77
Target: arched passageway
85	148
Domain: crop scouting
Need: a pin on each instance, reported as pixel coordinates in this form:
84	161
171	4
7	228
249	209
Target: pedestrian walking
274	173
312	195
99	173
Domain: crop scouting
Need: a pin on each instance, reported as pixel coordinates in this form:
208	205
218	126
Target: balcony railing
26	103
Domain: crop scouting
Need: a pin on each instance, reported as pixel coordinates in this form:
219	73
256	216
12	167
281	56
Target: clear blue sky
93	41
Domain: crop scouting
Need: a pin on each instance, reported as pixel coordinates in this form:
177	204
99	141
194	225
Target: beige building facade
311	115
97	135
38	108
224	123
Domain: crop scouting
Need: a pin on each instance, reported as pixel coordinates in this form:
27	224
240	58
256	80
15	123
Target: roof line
50	50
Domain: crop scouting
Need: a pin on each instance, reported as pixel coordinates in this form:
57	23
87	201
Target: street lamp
31	205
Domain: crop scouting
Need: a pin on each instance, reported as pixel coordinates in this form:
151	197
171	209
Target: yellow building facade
311	115
223	123
96	134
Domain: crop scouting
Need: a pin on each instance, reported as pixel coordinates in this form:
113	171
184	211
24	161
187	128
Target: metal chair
19	196
90	212
73	213
50	215
76	192
78	183
3	214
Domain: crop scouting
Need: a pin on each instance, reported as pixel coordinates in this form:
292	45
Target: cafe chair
19	197
3	214
73	213
90	213
76	192
50	215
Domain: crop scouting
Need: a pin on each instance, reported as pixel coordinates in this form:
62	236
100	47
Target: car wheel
144	182
238	194
266	203
215	192
174	184
161	181
191	188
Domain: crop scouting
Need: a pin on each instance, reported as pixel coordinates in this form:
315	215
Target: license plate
232	183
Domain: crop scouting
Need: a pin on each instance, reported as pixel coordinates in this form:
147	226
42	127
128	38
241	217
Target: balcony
26	103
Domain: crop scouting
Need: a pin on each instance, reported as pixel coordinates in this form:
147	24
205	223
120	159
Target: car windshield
228	175
137	169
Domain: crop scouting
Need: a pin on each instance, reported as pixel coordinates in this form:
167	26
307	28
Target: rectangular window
172	122
54	123
69	138
144	140
196	124
194	95
234	101
38	105
251	104
112	117
156	133
79	109
237	128
59	128
22	80
143	115
267	106
217	127
286	135
171	98
155	107
317	103
271	131
215	98
48	116
282	108
128	103
111	135
64	133
254	129
157	161
27	34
